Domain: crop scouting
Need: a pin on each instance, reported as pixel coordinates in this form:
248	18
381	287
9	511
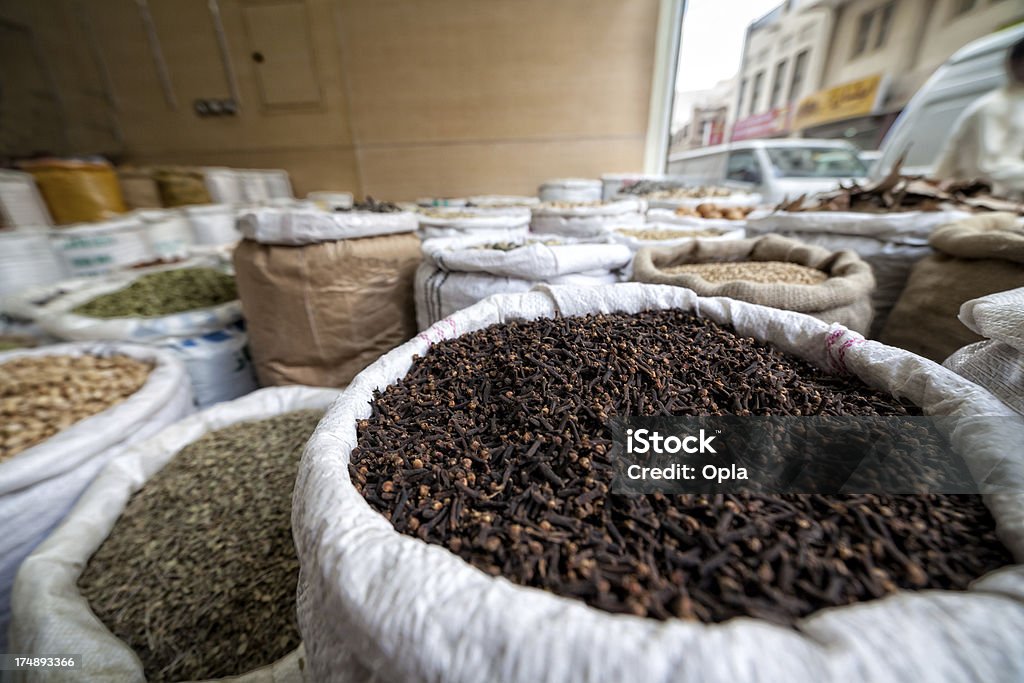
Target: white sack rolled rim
375	600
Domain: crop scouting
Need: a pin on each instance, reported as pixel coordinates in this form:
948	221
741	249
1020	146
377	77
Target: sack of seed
193	311
65	410
974	257
177	563
998	362
505	223
674	234
522	504
771	271
586	219
458	272
325	294
891	243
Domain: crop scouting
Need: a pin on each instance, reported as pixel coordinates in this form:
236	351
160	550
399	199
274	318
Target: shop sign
849	100
764	125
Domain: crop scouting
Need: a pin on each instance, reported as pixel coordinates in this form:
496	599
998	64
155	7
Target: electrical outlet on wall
215	107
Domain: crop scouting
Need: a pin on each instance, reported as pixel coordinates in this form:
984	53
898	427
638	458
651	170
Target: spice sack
52	610
325	294
376	604
39	484
974	257
458	272
842	295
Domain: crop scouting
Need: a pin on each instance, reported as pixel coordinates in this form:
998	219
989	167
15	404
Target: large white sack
998	362
39	485
890	242
312	226
570	190
27	259
223	185
673	218
587	219
98	248
496	223
51	616
656	201
58	318
168	231
685	233
377	605
218	364
455	273
212	224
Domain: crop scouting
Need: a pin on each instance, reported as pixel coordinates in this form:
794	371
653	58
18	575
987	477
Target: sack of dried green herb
974	257
378	605
39	484
891	243
998	362
457	272
212	591
771	271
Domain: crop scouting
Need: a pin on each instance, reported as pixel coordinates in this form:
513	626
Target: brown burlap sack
845	297
139	188
77	191
320	313
974	257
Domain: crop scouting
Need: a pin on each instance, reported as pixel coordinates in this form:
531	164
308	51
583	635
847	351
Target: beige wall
947	33
406	99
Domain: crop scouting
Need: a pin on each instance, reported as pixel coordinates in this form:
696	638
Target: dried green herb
199	574
164	293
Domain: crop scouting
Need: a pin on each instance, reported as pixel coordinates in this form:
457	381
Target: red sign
763	125
717	136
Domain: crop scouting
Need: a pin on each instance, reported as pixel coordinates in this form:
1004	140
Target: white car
777	169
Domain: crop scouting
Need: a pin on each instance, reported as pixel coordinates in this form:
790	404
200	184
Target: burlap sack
974	257
844	298
318	314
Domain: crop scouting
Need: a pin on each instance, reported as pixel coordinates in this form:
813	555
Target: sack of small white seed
177	563
65	410
771	271
377	604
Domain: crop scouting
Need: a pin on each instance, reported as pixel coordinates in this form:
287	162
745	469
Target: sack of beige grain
66	410
974	257
139	188
771	271
325	293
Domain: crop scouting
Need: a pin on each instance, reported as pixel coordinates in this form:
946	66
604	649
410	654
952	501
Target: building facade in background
846	68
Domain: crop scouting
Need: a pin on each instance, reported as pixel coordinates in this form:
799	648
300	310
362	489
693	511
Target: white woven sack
223	185
439	293
98	248
212	224
51	616
39	485
168	231
57	317
375	605
502	200
891	243
254	185
218	364
27	259
673	218
312	226
506	223
21	205
686	234
738	199
278	184
998	362
570	190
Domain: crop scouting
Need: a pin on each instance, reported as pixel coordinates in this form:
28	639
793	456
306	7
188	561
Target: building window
755	94
796	81
863	32
963	6
777	83
885	23
739	100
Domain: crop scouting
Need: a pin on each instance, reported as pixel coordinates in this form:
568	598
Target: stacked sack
998	362
586	219
458	272
209	337
325	293
496	223
974	257
840	292
40	483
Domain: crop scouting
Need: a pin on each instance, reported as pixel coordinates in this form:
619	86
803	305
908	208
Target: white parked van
924	126
776	169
